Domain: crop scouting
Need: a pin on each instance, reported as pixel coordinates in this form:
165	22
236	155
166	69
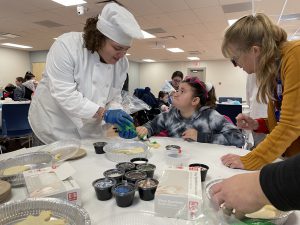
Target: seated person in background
21	93
163	101
9	91
191	119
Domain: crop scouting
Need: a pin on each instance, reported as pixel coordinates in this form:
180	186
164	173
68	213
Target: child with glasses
191	119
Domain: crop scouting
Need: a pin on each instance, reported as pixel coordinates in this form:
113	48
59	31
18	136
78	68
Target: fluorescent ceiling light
193	58
69	2
230	22
15	45
128	54
148	60
175	50
147	35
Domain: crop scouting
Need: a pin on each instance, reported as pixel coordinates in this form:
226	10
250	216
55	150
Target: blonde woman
258	46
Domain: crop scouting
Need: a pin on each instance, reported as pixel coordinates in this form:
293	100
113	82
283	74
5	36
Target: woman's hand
241	192
232	161
190	134
246	122
141	131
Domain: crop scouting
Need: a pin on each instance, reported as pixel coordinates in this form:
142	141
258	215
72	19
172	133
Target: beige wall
13	63
228	80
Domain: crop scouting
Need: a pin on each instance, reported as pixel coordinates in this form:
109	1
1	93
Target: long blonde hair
260	31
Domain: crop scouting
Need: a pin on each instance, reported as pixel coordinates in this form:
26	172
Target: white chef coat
74	85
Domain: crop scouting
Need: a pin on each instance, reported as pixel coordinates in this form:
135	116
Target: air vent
238	7
157	30
194	52
48	23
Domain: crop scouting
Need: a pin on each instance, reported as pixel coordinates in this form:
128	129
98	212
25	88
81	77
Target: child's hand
190	134
142	131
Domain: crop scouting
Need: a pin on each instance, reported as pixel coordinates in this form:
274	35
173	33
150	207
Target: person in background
190	118
163	103
277	184
258	46
256	109
9	91
173	85
81	86
28	76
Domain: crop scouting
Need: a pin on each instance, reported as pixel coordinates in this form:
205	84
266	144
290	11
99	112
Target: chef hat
118	24
208	86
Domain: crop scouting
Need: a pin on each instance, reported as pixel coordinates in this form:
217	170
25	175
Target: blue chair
224	99
229	110
15	121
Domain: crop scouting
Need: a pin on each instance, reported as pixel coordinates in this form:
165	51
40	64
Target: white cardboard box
179	194
46	183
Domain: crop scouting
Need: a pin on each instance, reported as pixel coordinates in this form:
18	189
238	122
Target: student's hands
232	161
119	117
190	134
241	192
246	122
142	131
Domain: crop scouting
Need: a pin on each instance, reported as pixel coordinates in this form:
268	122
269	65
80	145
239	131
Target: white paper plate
63	150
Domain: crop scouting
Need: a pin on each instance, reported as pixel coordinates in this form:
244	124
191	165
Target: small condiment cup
115	174
103	187
138	161
134	175
99	147
124	193
147	188
148	168
125	166
202	168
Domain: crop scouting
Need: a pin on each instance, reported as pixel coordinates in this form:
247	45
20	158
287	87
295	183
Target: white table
92	167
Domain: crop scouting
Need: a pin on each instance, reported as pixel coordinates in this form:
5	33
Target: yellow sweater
284	137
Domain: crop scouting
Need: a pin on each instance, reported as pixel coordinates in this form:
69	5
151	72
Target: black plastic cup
134	175
99	147
103	187
203	169
114	174
125	166
138	161
147	188
124	193
148	168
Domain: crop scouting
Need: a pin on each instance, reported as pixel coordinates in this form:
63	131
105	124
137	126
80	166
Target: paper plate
80	154
62	150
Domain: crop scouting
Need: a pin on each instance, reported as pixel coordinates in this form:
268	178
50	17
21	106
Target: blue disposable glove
127	132
119	117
